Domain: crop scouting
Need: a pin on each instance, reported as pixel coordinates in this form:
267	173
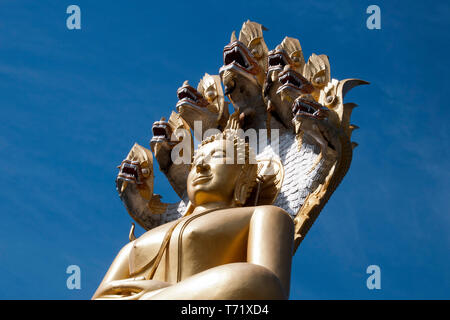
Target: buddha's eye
219	154
197	159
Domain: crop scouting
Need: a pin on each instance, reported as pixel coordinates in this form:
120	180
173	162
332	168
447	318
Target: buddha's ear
240	194
241	189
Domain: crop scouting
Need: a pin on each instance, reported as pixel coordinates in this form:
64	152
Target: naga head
291	85
289	52
286	55
326	120
205	104
308	116
317	71
315	100
332	97
245	66
136	169
211	89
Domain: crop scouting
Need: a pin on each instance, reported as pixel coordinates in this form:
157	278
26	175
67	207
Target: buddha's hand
130	289
137	169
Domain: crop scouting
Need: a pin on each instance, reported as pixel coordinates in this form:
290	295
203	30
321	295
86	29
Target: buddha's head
223	171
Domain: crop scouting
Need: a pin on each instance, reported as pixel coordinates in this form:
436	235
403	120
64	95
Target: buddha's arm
266	274
117	283
270	242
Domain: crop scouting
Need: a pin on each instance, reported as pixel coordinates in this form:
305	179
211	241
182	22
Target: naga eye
145	172
295	57
210	95
329	100
319	79
257	52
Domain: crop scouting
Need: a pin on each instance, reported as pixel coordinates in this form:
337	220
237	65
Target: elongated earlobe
240	194
240	191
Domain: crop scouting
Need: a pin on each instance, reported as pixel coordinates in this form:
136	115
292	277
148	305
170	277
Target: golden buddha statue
236	225
219	249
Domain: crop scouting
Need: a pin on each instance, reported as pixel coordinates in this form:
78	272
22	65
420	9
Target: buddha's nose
202	166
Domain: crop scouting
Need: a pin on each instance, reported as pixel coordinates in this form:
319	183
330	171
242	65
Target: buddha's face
214	174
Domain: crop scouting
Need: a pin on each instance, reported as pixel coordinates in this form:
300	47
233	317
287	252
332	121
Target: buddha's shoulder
230	214
240	215
233	214
154	234
211	220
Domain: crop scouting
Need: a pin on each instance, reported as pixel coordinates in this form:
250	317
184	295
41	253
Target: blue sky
74	102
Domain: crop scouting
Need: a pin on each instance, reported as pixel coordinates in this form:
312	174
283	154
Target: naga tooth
274	76
233	37
124	186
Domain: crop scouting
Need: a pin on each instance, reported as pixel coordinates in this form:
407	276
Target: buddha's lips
201	179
